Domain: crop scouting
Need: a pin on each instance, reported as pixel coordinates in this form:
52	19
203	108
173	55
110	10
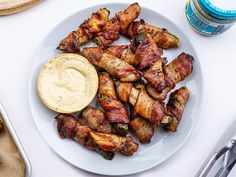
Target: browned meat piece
175	107
92	140
142	103
81	133
142	128
85	32
117	25
147	53
123	52
114	66
123	90
109	34
115	110
128	15
96	120
176	71
112	143
155	75
161	36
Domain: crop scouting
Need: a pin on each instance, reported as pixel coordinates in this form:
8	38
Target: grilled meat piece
147	53
161	36
176	71
85	32
155	75
114	66
117	25
93	140
143	104
175	107
114	143
141	128
115	111
123	52
96	120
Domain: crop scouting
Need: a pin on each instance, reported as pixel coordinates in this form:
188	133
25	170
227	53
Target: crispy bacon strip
103	143
175	107
85	32
141	128
123	52
114	66
69	127
96	120
117	25
155	75
176	71
161	36
114	143
147	53
144	105
115	110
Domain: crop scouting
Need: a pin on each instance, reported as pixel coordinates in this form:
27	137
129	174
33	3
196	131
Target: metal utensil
226	149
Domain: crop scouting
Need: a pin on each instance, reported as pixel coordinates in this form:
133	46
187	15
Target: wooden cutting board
8	7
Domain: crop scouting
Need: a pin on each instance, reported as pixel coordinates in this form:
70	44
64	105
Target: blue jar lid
217	12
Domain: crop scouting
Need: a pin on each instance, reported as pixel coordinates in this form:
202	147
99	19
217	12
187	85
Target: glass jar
208	19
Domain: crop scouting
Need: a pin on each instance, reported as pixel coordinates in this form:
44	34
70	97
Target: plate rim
198	112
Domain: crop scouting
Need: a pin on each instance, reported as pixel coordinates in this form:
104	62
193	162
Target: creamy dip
67	83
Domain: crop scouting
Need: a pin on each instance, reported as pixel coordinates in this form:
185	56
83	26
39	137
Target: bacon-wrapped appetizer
175	107
142	103
155	75
69	127
147	51
141	128
123	52
114	66
161	36
96	120
85	32
115	111
114	143
117	25
176	71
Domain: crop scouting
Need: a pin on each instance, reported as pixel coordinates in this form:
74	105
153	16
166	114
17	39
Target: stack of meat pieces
133	78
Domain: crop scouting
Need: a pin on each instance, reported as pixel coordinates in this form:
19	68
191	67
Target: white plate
163	144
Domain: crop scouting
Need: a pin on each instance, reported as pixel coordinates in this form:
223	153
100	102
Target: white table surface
20	35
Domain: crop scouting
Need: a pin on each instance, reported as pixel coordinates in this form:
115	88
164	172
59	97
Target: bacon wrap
149	108
147	52
117	25
155	76
161	36
175	107
176	71
141	127
128	15
85	32
123	90
114	66
114	109
110	142
109	34
180	67
123	52
135	28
